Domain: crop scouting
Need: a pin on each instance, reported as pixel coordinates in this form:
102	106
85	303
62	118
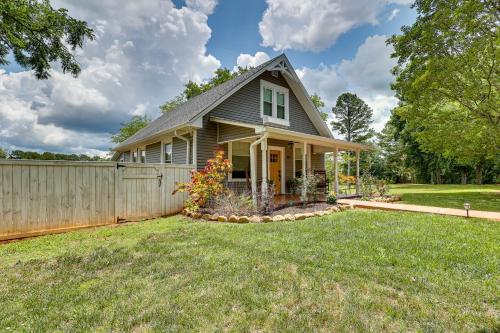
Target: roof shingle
187	111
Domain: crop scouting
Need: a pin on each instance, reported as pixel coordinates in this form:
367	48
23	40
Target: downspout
187	145
253	169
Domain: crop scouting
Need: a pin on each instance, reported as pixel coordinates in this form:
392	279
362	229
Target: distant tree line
48	156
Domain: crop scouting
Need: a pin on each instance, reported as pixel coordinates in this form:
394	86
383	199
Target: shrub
265	200
331	198
382	187
293	184
345	179
308	185
367	187
231	203
205	184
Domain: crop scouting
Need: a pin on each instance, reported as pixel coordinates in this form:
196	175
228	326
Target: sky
145	51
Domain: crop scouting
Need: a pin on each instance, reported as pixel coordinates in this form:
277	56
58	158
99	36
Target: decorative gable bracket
283	67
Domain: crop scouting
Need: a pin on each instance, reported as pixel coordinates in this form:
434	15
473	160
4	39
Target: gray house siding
179	150
244	106
207	142
231	132
153	153
127	156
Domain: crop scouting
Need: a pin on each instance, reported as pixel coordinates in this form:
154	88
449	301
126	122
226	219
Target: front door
275	169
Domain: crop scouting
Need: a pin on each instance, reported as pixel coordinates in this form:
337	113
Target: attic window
274	104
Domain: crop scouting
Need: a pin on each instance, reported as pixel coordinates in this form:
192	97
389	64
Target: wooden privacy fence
39	197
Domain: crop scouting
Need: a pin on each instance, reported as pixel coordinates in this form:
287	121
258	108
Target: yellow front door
275	169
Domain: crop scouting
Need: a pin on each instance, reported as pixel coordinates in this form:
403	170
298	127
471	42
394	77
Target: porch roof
327	144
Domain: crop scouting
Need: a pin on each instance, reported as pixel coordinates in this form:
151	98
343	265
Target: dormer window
274	104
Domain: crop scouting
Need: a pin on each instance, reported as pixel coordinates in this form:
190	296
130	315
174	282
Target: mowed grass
481	197
352	271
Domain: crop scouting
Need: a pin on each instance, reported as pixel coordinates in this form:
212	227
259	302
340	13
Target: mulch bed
298	208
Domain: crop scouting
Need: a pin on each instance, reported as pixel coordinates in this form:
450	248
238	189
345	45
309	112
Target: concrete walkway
421	209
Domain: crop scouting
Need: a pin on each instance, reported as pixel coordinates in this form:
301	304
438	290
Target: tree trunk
479	174
439	179
463	177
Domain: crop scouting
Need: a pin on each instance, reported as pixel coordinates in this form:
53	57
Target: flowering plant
345	179
205	184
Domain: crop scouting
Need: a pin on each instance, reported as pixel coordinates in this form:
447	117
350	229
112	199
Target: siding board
244	106
153	153
231	132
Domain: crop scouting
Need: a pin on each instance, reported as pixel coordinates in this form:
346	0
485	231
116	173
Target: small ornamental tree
205	184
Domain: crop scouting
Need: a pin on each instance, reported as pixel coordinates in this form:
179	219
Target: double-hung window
168	153
274	104
268	102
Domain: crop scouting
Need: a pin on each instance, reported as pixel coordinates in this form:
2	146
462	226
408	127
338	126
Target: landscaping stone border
266	218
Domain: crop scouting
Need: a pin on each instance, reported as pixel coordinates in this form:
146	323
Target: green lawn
481	197
351	271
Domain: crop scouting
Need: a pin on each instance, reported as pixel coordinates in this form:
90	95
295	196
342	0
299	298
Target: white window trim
274	118
282	153
230	155
308	162
139	155
163	143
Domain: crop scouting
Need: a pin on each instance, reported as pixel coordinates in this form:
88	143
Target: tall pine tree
352	119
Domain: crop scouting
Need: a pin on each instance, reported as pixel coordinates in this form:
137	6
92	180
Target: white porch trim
284	134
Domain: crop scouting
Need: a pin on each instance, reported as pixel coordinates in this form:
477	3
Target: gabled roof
194	108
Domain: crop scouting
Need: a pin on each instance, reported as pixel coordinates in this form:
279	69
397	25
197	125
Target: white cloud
393	14
316	24
369	70
139	59
204	6
248	60
367	74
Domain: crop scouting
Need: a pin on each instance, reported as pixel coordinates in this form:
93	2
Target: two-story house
263	119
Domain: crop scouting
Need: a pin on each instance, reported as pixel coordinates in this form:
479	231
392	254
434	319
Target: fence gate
145	190
139	191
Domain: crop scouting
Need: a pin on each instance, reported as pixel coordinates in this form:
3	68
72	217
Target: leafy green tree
450	55
192	89
352	119
319	104
469	140
49	156
173	103
130	128
37	35
3	154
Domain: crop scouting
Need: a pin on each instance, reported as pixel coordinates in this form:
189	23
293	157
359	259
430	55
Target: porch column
304	159
263	147
336	171
304	162
357	172
253	171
